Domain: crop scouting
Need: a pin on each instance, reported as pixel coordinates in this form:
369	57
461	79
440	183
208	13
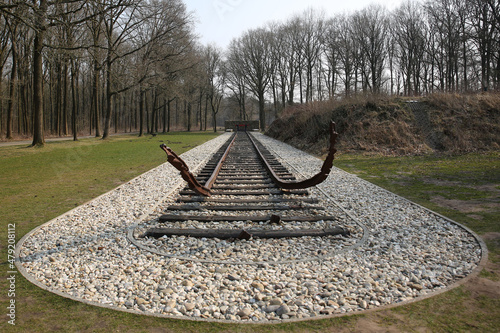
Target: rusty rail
210	182
180	165
314	180
194	185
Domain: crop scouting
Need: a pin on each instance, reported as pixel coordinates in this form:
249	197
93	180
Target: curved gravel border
407	253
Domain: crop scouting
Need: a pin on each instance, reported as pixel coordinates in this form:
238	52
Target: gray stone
284	309
276	301
246	312
271	308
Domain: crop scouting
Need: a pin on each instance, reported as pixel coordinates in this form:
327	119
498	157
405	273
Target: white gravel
398	252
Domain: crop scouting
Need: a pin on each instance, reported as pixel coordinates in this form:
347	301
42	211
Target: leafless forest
96	67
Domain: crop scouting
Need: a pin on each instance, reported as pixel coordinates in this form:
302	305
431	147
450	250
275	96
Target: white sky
219	21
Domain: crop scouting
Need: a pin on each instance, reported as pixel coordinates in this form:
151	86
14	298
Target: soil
466	206
485	205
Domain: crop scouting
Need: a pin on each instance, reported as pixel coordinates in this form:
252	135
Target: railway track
94	254
239	181
238	197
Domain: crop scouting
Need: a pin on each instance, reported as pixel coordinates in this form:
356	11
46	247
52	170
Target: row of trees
98	66
419	48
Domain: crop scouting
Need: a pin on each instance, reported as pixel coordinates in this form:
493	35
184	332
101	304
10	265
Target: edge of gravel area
484	248
482	263
29	277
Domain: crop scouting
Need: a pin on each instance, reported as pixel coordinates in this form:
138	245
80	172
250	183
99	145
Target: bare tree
235	79
162	45
4	50
12	27
484	21
312	27
40	16
254	53
370	30
331	50
347	52
40	26
89	53
216	79
96	29
120	22
294	34
444	22
409	34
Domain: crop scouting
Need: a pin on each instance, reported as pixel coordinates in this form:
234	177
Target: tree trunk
95	99
146	115
168	115
164	115
189	117
214	119
58	101
107	119
262	113
12	92
38	136
206	113
141	112
65	98
200	111
117	107
153	113
74	89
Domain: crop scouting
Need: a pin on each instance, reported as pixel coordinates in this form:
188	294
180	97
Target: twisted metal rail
314	180
180	165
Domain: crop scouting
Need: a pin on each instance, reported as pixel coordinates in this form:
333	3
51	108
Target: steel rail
314	180
180	165
210	182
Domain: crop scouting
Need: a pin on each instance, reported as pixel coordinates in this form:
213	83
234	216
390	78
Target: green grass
471	183
471	179
489	275
453	311
39	184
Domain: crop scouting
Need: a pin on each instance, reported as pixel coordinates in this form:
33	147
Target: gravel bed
397	252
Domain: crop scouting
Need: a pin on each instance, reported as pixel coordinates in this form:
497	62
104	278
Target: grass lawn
39	184
466	189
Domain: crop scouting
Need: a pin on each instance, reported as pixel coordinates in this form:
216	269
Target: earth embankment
442	123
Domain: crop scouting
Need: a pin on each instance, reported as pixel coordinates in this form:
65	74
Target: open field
39	184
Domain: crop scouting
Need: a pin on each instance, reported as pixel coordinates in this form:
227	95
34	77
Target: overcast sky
220	21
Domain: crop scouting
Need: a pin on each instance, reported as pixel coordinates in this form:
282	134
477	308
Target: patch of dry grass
383	124
468	123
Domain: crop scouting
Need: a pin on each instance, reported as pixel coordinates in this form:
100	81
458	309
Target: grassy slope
39	184
461	123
